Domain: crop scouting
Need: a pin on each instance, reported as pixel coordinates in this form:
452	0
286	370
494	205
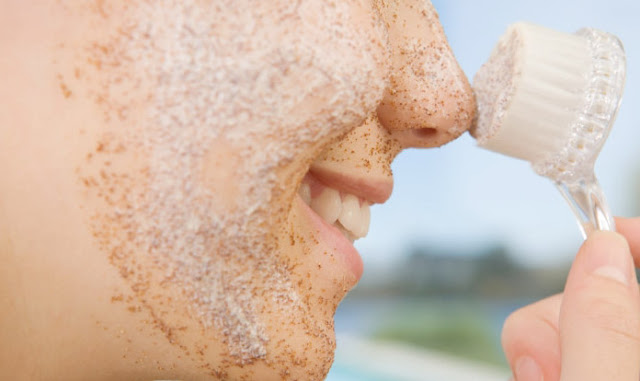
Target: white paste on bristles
550	97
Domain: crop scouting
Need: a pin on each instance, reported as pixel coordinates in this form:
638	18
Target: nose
429	101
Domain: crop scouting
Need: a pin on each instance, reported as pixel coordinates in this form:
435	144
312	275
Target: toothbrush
551	98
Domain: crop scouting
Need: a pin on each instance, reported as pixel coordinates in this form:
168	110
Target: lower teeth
346	232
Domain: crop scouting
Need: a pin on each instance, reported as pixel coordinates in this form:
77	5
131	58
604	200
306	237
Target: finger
630	229
531	340
600	313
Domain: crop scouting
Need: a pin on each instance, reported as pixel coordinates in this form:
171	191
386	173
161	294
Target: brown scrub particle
176	82
117	298
65	90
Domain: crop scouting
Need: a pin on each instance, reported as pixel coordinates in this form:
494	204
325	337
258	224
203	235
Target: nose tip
424	116
429	101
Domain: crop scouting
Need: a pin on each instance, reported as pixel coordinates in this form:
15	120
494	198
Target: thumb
600	313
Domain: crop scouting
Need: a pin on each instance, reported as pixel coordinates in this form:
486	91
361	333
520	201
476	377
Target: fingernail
527	370
609	257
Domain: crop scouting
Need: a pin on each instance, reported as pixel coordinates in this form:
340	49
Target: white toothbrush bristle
539	94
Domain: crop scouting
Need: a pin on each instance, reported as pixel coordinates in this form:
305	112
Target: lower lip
331	236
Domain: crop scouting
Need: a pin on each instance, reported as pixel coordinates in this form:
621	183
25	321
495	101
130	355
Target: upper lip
374	190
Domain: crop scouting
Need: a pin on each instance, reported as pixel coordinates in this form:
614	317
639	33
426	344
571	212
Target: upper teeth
345	211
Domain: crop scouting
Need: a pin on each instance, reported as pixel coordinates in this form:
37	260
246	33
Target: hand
592	330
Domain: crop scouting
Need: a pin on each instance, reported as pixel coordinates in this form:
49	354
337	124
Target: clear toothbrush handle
586	199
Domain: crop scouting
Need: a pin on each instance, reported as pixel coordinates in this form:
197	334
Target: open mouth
337	193
347	212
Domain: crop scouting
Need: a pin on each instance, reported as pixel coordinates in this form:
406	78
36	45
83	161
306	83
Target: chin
329	210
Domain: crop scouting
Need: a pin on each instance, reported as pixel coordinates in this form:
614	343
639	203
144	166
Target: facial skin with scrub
182	182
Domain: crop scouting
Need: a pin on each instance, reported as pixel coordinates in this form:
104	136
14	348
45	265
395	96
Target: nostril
425	137
425	133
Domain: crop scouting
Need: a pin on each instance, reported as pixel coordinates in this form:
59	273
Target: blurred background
468	235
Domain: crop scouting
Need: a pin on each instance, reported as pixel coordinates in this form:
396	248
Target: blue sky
462	197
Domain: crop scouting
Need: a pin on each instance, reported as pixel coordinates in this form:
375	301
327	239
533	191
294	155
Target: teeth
346	211
350	215
346	233
305	192
328	205
365	217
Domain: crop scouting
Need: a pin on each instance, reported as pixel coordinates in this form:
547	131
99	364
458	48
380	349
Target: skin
592	330
94	283
84	296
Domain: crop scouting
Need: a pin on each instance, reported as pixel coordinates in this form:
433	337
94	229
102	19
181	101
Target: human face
202	151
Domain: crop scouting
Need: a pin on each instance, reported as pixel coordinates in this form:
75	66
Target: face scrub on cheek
213	93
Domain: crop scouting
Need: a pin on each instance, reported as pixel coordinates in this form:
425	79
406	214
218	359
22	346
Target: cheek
326	73
215	146
218	171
